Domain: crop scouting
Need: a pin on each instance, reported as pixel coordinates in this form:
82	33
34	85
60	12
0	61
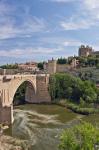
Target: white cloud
10	27
61	1
10	30
60	41
91	8
86	16
19	53
72	43
91	4
33	24
5	8
75	24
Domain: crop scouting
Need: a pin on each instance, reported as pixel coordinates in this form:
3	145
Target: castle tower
85	51
51	66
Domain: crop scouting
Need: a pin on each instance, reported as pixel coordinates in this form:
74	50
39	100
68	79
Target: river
39	126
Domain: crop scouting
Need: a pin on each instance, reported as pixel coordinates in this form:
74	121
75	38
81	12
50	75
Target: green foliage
88	73
89	61
97	66
82	137
82	109
41	65
62	61
85	75
82	102
83	61
11	66
70	59
66	86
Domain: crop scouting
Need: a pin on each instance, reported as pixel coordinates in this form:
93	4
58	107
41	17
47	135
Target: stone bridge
36	92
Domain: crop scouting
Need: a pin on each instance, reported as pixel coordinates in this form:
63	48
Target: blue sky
41	29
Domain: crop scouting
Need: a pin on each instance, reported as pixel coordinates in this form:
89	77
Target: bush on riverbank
88	109
84	111
66	86
82	137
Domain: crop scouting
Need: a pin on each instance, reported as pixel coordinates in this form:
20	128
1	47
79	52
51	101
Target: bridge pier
30	94
6	115
41	95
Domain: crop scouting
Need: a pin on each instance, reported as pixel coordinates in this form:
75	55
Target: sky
37	30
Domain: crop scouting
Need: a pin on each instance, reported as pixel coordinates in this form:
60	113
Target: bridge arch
28	86
16	83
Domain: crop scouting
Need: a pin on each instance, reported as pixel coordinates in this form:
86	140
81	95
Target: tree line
9	66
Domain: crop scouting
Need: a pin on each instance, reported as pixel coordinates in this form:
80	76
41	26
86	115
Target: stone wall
52	67
42	94
8	71
62	68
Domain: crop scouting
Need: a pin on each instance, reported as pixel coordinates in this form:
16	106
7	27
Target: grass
85	110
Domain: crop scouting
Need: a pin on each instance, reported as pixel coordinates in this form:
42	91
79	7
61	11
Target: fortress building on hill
85	51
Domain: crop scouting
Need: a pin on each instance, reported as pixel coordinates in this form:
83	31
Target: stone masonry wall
41	95
62	68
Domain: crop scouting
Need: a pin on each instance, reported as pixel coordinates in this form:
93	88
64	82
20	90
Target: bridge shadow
21	93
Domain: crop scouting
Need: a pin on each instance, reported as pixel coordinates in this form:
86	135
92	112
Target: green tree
82	137
89	92
10	66
62	61
66	86
41	65
83	61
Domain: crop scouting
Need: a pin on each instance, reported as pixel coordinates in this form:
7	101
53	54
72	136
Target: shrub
82	137
78	109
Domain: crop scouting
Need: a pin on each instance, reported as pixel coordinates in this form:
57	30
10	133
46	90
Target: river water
40	126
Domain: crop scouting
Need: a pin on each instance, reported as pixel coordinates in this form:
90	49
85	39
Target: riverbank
77	108
8	143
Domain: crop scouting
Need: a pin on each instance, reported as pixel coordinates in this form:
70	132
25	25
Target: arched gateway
36	92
